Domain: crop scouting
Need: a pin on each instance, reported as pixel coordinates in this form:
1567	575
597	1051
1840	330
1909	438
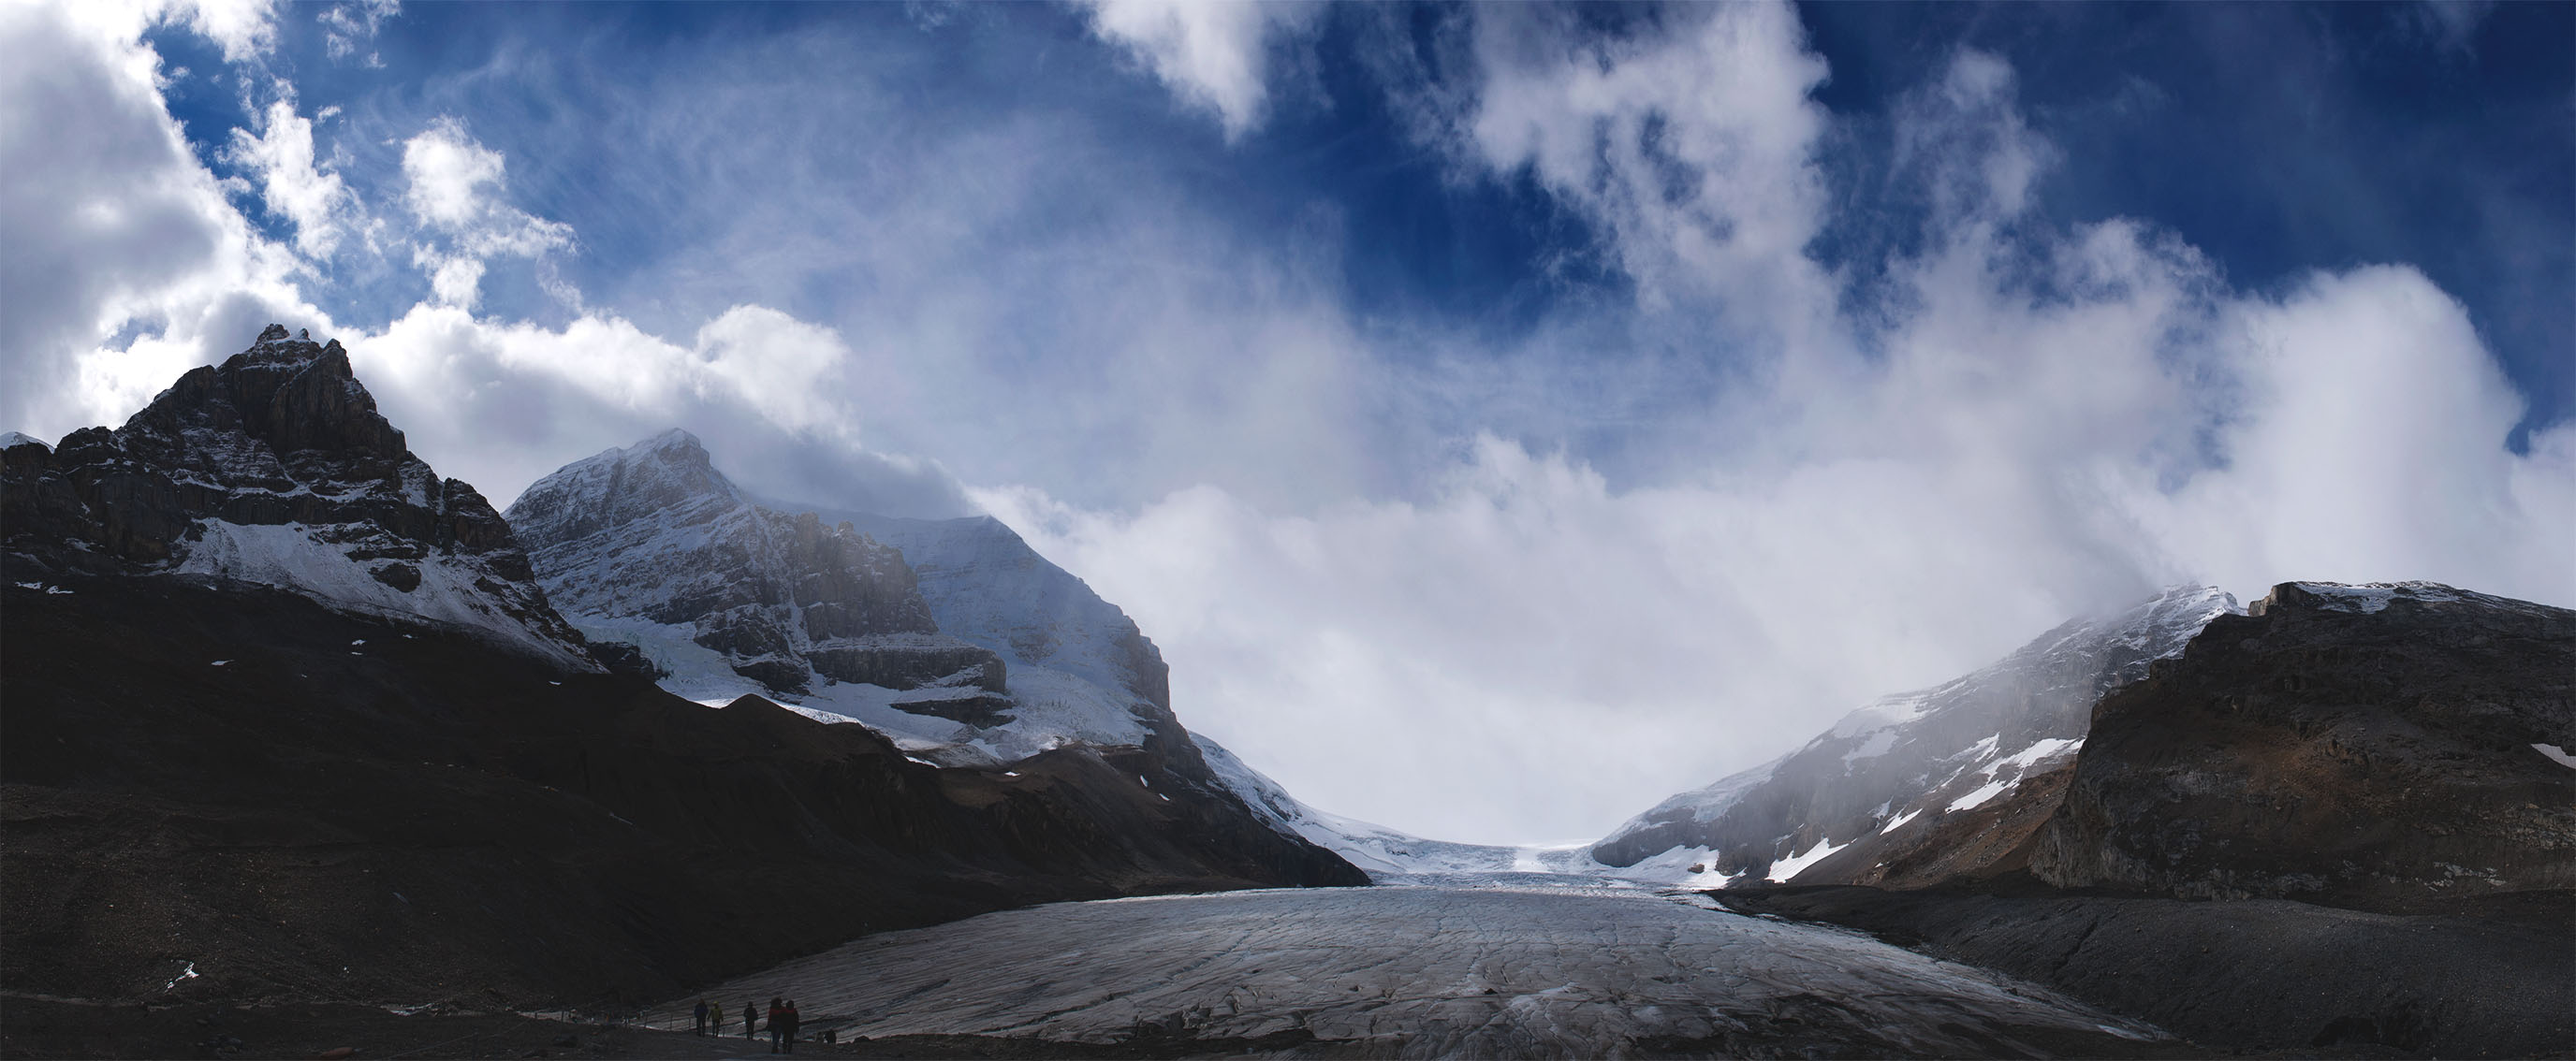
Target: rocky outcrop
1946	759
275	468
2375	746
653	533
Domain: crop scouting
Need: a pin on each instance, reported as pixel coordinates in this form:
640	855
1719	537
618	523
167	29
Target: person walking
777	1024
715	1018
701	1013
750	1018
793	1023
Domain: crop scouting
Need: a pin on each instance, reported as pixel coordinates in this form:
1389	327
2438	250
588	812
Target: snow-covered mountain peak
275	468
651	543
669	479
13	439
735	594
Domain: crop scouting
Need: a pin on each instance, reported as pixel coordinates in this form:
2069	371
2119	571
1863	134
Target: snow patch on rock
296	557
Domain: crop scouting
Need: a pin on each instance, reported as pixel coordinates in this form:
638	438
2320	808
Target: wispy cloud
350	28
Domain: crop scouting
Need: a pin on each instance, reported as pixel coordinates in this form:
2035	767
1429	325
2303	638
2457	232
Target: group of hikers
782	1022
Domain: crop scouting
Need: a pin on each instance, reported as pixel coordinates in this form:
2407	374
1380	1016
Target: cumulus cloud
2369	443
783	369
1215	57
502	403
125	262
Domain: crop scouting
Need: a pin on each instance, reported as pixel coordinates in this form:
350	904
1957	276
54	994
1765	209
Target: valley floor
1518	971
1528	966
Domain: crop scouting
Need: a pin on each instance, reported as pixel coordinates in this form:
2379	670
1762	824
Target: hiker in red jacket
777	1024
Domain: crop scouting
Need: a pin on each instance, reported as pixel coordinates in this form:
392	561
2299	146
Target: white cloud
292	184
2369	445
2050	421
124	263
450	176
1532	654
504	402
1690	147
452	281
245	28
1214	56
454	187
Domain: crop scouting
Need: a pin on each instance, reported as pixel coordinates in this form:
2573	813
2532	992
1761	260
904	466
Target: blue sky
1606	395
2278	139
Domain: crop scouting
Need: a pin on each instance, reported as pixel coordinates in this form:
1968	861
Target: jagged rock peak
275	468
290	394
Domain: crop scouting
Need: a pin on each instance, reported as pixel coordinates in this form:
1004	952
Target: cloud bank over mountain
1479	581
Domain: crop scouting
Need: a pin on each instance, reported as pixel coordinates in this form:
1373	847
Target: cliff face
2372	746
275	468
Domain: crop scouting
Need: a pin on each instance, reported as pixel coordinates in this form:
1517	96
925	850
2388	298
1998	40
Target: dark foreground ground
2493	977
52	1029
40	1028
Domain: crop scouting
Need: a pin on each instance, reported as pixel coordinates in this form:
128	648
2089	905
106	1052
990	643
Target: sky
1501	416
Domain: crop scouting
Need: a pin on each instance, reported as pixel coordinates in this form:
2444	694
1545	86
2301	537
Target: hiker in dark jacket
793	1022
701	1013
750	1018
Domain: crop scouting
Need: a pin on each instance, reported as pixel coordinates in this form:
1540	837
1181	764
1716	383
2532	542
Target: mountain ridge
274	467
1903	761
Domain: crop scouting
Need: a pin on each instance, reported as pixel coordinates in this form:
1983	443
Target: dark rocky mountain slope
286	715
2342	822
341	807
2369	746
